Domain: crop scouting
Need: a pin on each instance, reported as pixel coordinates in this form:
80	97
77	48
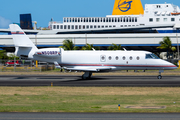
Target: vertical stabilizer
20	39
24	46
128	7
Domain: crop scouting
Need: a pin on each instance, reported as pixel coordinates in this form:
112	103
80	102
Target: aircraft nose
171	66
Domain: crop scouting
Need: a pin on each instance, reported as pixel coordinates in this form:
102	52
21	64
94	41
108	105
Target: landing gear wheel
159	77
86	75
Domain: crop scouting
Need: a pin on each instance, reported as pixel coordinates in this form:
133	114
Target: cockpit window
151	56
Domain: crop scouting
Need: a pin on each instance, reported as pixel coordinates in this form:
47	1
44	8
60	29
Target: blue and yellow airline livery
128	7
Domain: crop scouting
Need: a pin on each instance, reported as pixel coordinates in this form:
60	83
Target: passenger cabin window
124	58
131	58
138	58
151	56
110	57
117	57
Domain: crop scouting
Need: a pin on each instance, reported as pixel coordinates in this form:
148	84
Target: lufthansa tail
24	46
128	7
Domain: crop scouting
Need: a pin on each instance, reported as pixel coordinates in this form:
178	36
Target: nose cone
171	66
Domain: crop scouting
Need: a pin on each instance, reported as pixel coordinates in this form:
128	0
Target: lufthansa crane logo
124	5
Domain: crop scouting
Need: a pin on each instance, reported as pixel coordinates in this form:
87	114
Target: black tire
159	77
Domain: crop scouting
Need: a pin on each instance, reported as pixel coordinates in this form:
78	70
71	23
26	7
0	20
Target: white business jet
88	61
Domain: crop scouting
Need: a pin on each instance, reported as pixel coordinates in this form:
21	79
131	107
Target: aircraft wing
90	69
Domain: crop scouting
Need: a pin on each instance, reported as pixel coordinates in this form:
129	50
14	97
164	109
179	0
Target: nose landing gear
159	76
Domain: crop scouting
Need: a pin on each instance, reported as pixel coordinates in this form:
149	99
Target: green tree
3	55
68	45
90	47
11	57
166	44
114	47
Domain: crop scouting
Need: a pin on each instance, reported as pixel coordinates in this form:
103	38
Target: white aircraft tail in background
88	61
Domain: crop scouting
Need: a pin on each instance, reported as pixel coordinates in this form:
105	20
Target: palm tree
68	45
167	45
114	47
90	47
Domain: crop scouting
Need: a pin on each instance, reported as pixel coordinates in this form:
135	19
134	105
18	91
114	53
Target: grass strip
89	99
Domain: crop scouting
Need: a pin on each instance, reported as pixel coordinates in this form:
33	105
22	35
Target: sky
43	10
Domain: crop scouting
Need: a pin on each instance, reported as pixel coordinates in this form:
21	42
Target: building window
98	26
68	26
57	26
132	19
54	26
114	26
87	26
119	19
86	19
104	20
64	26
112	19
75	19
83	26
102	26
89	19
94	26
78	19
135	19
172	19
150	19
64	19
92	19
61	26
76	27
79	26
157	19
106	26
72	26
165	19
91	26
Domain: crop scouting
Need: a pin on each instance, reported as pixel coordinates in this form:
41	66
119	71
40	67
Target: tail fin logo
124	5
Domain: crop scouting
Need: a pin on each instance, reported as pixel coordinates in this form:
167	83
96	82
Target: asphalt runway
89	116
102	81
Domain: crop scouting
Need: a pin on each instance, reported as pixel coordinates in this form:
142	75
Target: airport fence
24	66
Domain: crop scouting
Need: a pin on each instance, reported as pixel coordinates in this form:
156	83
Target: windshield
151	56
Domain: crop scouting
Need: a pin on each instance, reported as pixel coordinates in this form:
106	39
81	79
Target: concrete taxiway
89	116
121	81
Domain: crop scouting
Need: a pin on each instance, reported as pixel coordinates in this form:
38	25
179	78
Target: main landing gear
159	76
86	75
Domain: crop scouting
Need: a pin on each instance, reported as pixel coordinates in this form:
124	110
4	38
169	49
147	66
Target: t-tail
128	7
24	46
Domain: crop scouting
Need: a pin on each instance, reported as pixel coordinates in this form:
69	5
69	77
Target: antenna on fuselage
124	49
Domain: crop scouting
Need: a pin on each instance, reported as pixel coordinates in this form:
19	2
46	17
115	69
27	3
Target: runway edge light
119	107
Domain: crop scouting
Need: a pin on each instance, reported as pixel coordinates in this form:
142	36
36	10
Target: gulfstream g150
88	61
